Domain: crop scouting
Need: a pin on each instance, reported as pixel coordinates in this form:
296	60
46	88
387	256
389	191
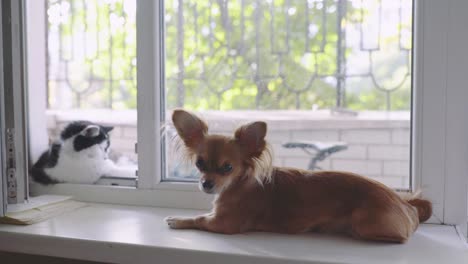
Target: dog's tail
423	206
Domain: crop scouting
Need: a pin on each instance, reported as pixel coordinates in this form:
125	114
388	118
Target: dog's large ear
189	127
251	137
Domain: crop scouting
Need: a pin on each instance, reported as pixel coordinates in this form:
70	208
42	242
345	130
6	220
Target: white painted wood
172	195
3	198
15	97
124	234
37	81
150	76
462	232
456	120
429	105
440	123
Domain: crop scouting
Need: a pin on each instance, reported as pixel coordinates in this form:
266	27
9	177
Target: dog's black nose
207	184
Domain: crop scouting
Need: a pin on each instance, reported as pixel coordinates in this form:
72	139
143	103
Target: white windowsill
128	234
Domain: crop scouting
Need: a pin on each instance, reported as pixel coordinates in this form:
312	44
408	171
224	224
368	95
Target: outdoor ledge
277	119
126	234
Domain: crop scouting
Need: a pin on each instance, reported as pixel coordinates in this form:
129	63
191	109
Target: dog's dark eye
200	164
226	168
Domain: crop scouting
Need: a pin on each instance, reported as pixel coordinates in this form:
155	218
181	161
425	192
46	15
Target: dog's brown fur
254	196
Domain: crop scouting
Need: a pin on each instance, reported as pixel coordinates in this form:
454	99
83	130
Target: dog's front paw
174	222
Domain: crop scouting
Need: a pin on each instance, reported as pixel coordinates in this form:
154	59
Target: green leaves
235	54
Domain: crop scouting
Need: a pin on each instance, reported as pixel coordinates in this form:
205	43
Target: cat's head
85	134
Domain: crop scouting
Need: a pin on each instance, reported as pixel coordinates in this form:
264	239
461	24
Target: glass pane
331	78
91	76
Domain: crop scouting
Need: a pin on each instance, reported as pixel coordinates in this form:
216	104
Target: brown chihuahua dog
252	195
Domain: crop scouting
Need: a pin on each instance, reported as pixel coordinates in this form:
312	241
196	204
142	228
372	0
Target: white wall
378	143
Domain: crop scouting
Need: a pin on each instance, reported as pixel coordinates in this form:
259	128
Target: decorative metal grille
244	54
91	54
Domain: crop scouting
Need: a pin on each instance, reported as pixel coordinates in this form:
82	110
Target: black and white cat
80	156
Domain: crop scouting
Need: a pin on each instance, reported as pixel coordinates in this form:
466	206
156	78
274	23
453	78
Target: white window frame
440	125
13	113
3	194
150	79
439	149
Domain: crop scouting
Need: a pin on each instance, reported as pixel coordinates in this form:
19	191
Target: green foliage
268	56
97	52
225	55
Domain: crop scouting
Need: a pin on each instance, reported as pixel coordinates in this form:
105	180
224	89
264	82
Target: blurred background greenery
245	54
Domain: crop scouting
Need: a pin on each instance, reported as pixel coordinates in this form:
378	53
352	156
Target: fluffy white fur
263	167
85	166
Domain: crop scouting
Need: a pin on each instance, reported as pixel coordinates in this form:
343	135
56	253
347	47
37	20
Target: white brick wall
117	132
388	152
319	135
278	136
303	163
394	182
372	136
282	152
129	132
365	167
378	149
396	167
123	144
401	136
353	152
296	162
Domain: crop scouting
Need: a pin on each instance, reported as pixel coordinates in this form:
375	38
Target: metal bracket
12	191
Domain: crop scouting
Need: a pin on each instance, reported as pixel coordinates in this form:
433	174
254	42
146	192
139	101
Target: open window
333	79
87	60
343	85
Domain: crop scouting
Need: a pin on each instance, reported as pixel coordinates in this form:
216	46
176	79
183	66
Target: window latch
12	191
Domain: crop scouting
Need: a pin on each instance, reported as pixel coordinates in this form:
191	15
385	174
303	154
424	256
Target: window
343	75
91	74
336	73
339	72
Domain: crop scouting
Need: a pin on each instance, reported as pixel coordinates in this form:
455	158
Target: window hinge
136	148
12	191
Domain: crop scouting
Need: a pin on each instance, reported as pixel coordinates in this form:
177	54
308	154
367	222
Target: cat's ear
107	129
90	131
